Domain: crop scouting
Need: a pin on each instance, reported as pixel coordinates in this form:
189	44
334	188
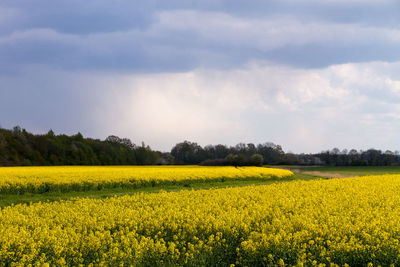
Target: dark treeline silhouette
19	147
239	155
235	160
370	157
271	154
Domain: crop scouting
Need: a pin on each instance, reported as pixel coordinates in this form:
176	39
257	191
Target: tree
256	160
188	153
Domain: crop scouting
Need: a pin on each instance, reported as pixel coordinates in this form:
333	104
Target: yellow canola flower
337	222
17	180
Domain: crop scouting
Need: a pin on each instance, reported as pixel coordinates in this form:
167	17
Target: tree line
19	147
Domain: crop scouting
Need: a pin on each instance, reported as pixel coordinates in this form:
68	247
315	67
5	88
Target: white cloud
208	74
304	110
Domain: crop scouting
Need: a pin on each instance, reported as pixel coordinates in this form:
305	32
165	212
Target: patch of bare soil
316	173
324	174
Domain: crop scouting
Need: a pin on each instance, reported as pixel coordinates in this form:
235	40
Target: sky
309	75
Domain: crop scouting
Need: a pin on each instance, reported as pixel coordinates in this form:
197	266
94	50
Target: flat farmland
19	180
338	171
325	222
33	184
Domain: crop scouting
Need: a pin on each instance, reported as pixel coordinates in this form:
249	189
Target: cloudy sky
309	75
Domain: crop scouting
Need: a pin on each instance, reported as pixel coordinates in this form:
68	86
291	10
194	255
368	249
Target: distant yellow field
337	222
63	179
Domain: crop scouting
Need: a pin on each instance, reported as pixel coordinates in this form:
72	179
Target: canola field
19	180
336	222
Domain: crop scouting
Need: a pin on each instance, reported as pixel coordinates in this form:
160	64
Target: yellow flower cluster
17	180
337	222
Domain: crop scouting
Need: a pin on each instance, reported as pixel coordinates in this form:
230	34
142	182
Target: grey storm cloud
306	74
153	36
